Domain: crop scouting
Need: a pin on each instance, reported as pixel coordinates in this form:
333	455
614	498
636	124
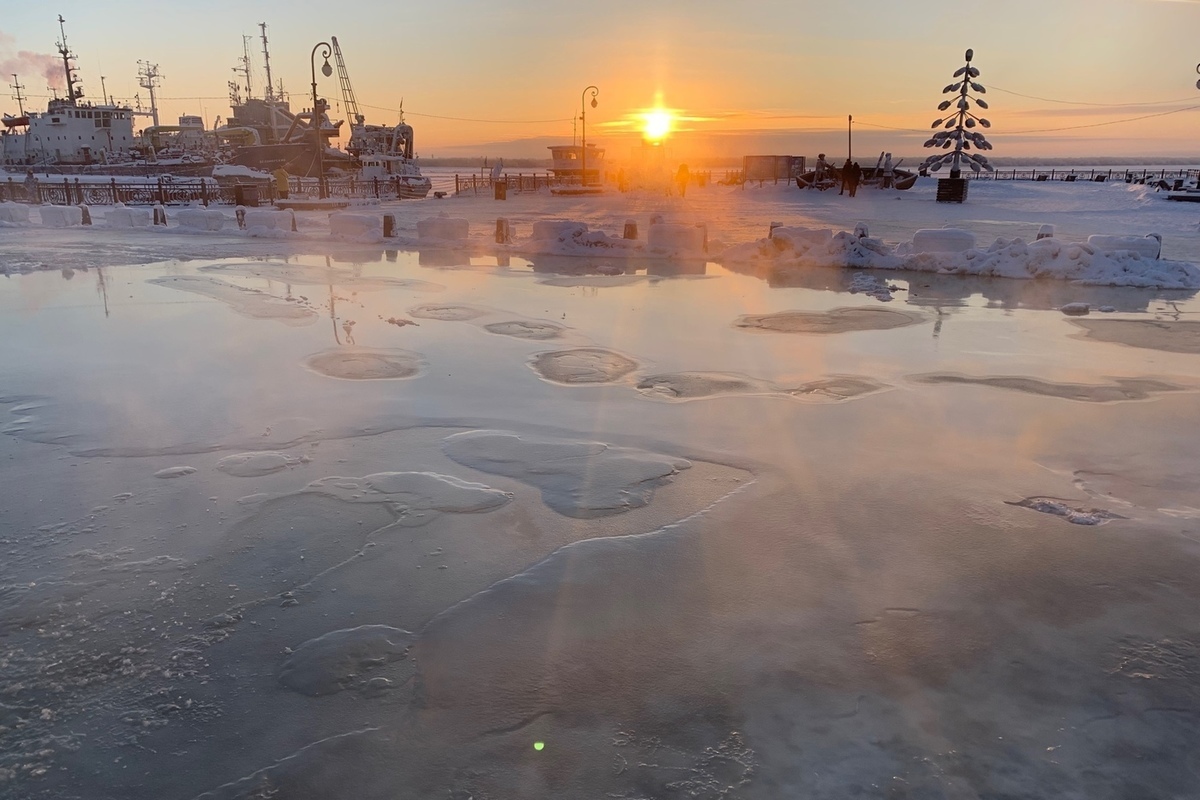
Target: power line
469	119
1097	105
1110	122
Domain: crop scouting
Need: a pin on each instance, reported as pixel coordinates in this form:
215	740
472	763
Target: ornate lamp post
583	128
319	113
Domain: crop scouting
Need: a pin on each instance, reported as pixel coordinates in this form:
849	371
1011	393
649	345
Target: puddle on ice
415	496
1181	336
300	274
583	365
526	330
448	313
1059	508
1120	390
578	479
247	302
366	364
175	472
837	320
340	660
698	385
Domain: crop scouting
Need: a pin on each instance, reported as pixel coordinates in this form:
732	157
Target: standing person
889	172
855	172
846	168
281	183
31	186
681	179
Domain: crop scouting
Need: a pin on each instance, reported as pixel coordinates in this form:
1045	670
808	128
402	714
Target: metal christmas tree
957	130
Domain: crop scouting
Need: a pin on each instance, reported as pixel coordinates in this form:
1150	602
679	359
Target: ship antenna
73	92
270	95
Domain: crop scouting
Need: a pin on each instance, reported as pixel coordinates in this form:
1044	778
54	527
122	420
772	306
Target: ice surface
1119	390
342	659
582	365
1180	336
247	302
838	320
414	495
577	478
253	465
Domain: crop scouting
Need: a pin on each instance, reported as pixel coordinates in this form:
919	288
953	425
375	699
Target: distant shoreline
1002	162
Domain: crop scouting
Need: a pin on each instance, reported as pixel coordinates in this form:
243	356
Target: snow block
122	217
679	239
268	219
804	238
14	213
1148	246
943	240
549	230
445	229
355	226
61	216
201	219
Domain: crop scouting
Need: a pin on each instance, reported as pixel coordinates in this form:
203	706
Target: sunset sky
754	76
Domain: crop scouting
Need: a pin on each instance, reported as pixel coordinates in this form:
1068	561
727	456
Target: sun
657	124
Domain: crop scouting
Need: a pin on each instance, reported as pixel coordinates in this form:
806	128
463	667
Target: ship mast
245	68
17	87
73	92
270	94
148	76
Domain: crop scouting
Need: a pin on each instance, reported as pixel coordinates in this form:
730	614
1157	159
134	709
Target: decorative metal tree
957	127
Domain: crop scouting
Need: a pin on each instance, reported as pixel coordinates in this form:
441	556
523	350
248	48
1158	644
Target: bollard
293	213
1046	232
860	231
86	214
774	225
503	232
160	215
704	229
240	213
630	229
389	226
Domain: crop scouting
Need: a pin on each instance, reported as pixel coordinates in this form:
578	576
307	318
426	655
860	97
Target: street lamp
319	112
583	127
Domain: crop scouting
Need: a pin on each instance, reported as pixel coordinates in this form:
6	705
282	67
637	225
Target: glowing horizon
734	81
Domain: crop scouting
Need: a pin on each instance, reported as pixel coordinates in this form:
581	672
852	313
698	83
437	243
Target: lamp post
319	113
849	137
583	128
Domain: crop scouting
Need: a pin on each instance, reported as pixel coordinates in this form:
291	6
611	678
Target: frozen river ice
308	520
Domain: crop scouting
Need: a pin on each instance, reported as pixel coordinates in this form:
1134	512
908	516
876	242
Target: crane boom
347	90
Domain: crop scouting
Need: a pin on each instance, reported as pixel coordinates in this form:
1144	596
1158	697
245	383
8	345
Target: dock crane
347	90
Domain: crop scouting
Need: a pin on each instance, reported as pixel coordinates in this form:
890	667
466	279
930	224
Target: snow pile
444	229
1149	246
236	171
570	238
871	286
1112	261
803	247
358	227
13	214
120	216
61	216
265	219
200	219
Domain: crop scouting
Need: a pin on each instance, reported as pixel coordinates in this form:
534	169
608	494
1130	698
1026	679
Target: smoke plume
26	64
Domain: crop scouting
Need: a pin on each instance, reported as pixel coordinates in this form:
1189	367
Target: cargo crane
347	90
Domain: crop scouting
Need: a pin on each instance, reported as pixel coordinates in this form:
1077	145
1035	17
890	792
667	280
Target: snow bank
444	229
561	230
200	219
678	239
123	217
1120	261
61	216
14	213
234	171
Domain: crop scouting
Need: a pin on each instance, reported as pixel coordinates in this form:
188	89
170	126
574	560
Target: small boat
828	176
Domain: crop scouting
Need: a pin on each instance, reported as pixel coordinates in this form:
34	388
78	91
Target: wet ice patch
698	385
526	329
175	472
254	465
837	388
314	275
1059	508
1171	337
340	660
582	365
366	364
448	312
577	478
837	320
247	302
415	496
1120	390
